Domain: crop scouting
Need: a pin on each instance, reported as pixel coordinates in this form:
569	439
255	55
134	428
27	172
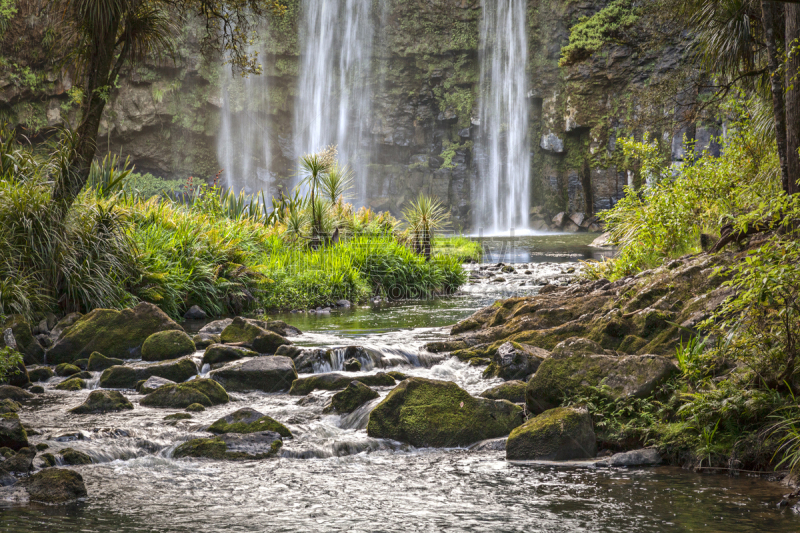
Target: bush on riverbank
223	252
734	404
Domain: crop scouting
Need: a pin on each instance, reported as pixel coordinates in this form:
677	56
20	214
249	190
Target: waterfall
333	96
243	145
502	152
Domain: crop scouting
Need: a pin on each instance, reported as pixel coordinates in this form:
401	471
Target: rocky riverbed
339	419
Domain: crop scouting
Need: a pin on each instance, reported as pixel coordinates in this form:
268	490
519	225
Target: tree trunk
768	13
793	97
97	90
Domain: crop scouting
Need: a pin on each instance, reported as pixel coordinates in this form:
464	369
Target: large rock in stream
20	337
102	401
233	447
354	396
126	377
248	420
164	345
206	392
248	333
515	361
55	486
426	412
267	374
560	434
118	334
559	377
12	433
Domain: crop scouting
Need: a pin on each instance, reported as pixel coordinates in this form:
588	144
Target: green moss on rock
241	331
261	445
126	377
71	384
118	334
8	405
165	345
102	401
32	352
222	353
247	420
12	432
354	396
74	457
48	459
559	434
66	369
178	416
206	392
426	412
14	393
55	486
513	391
195	408
42	373
98	362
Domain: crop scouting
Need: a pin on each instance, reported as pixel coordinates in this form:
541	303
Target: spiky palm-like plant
315	166
337	183
424	217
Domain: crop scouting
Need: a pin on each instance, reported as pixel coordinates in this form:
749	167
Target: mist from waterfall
501	197
333	97
243	143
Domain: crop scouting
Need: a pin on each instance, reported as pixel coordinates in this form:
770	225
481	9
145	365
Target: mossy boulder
247	420
398	376
269	342
74	457
42	446
21	462
165	345
9	406
48	459
12	432
38	389
620	376
352	365
41	373
14	393
65	370
241	331
206	392
102	401
426	412
222	353
6	452
204	340
26	344
71	384
117	334
152	383
233	447
55	486
20	378
195	408
267	374
178	416
99	362
126	377
515	361
351	398
83	364
559	434
335	381
513	391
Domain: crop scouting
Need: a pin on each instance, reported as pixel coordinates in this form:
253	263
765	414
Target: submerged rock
178	416
73	457
515	361
14	393
354	396
71	384
642	457
195	408
426	412
222	353
334	381
55	486
165	345
267	374
99	362
630	375
9	406
66	369
118	334
560	434
232	447
102	401
12	433
41	373
126	377
513	391
247	420
206	392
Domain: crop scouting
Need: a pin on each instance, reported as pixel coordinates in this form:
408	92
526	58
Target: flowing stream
332	476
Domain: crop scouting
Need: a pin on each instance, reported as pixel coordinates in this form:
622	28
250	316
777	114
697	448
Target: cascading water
333	96
243	145
502	152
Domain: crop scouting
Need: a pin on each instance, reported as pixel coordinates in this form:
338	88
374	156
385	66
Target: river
331	476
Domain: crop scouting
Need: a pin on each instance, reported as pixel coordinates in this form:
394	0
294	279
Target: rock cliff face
424	81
